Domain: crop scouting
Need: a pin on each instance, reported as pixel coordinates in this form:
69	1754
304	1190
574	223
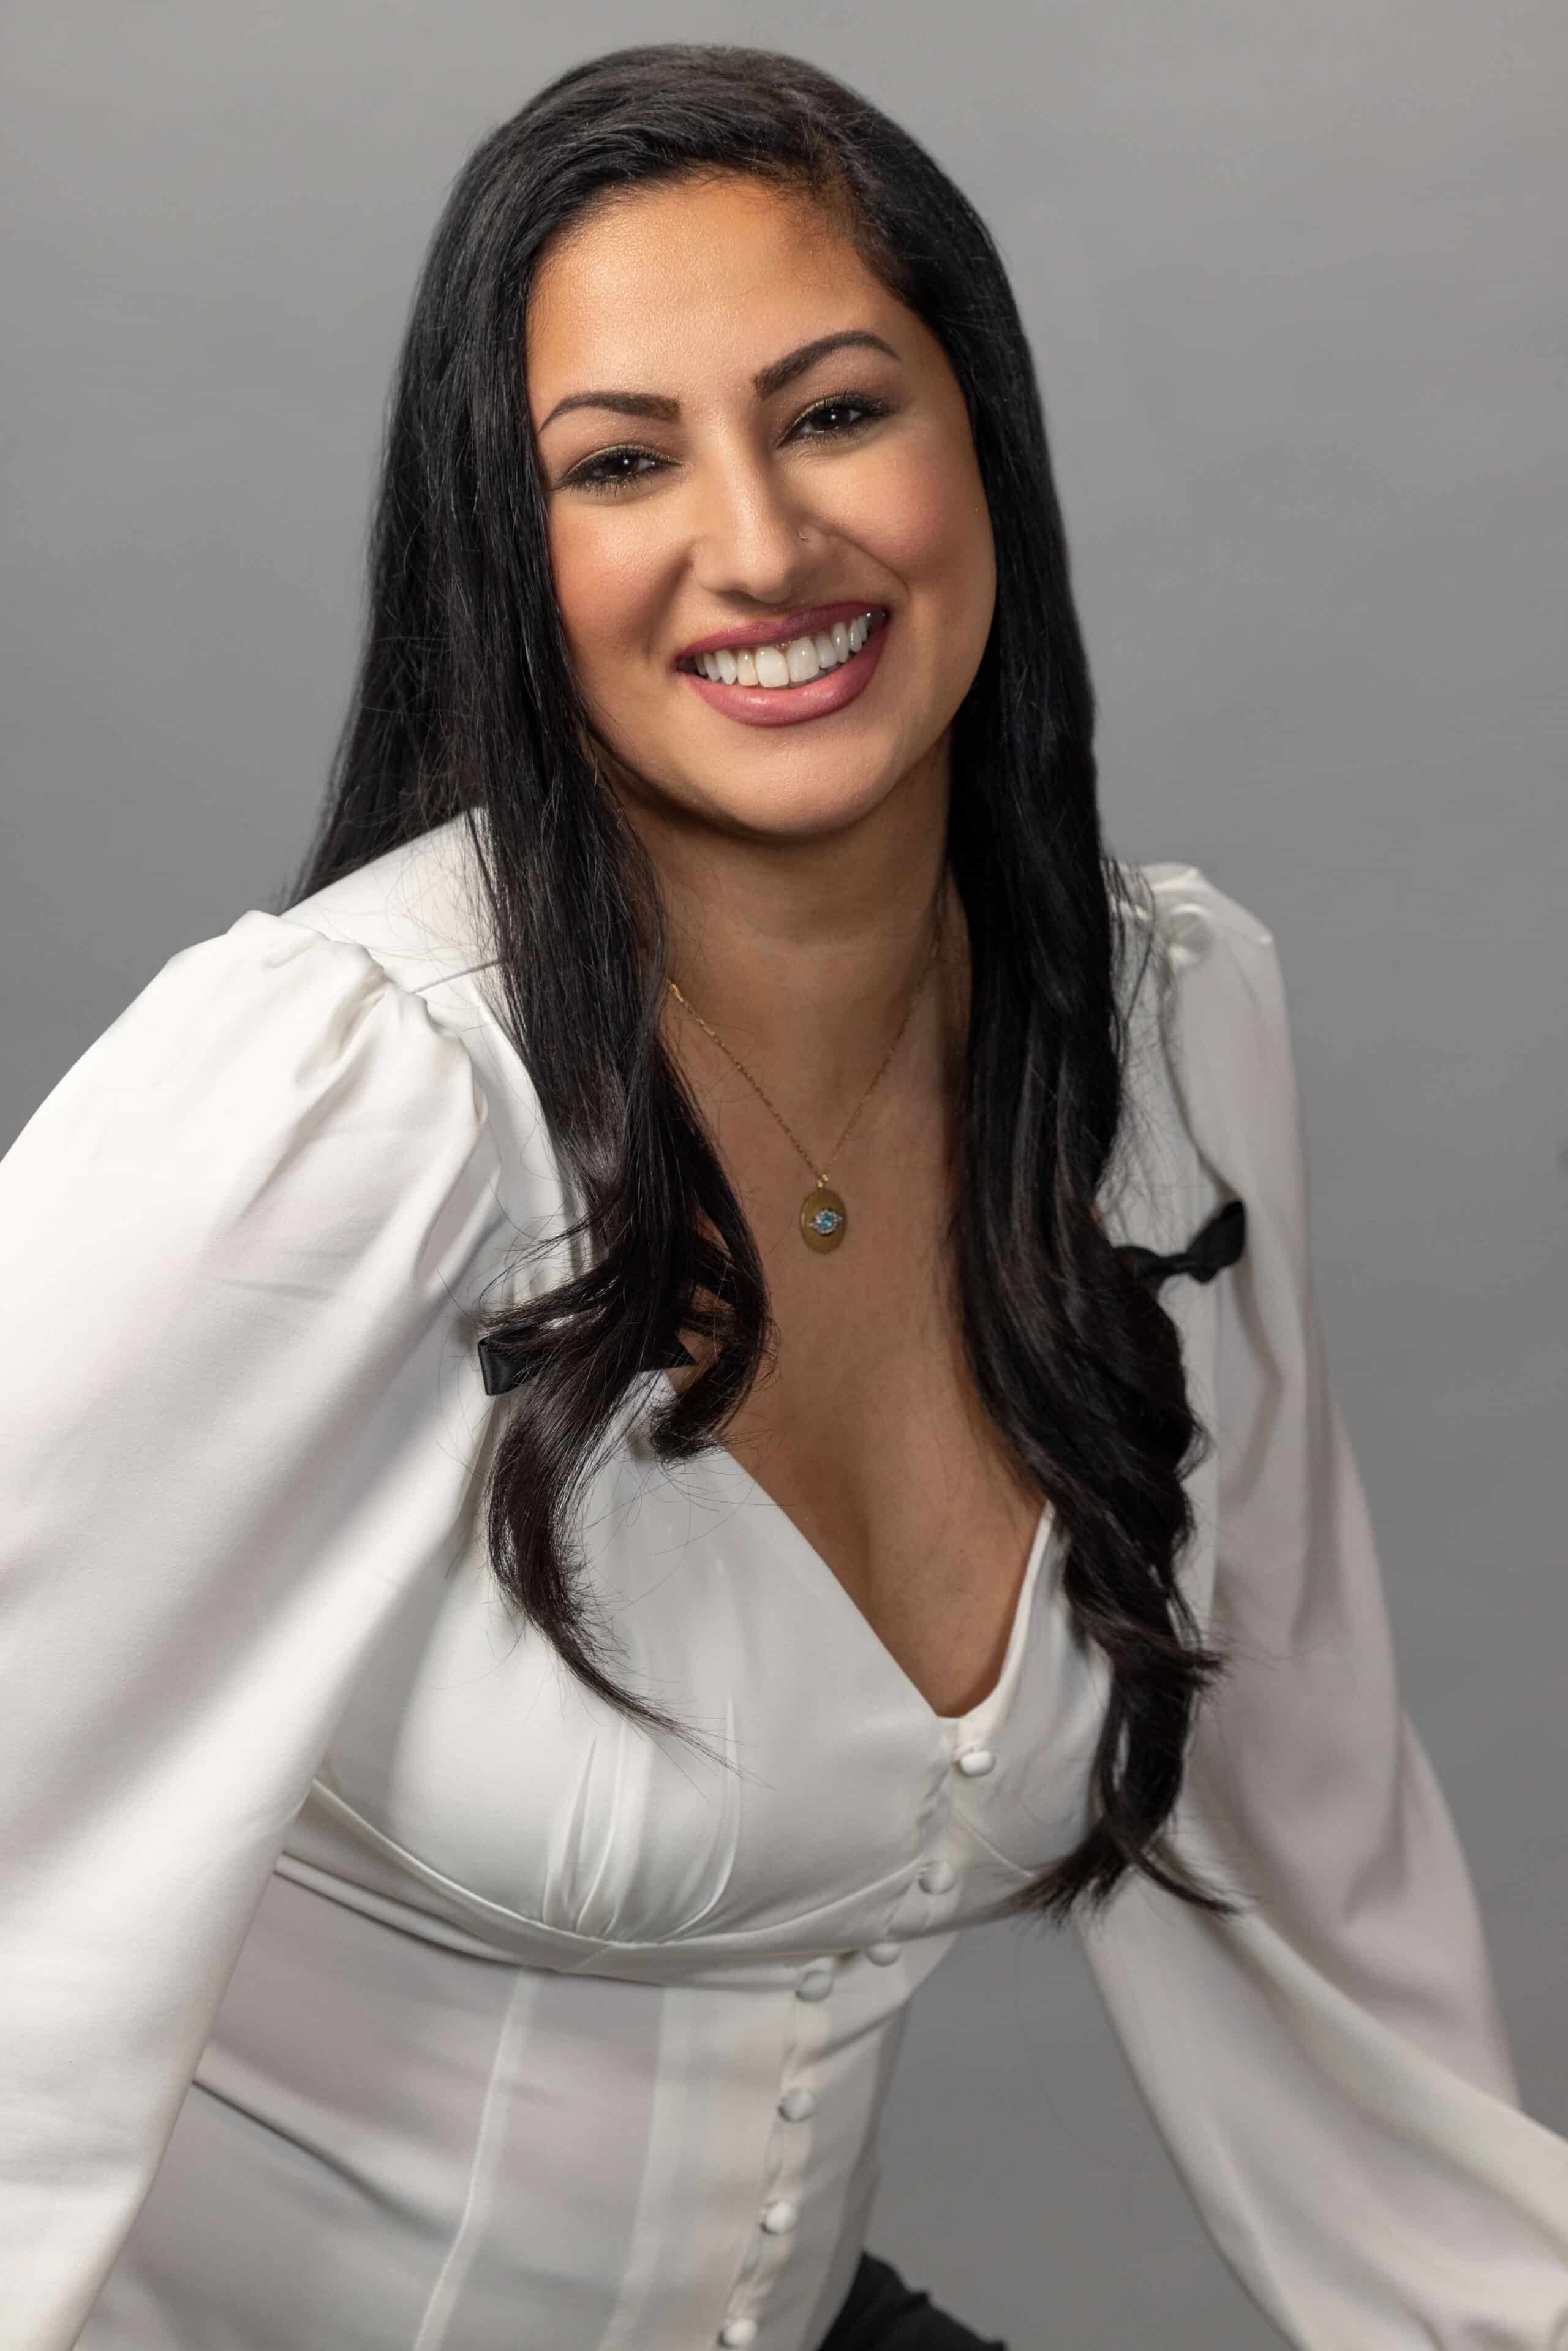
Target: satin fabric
367	1984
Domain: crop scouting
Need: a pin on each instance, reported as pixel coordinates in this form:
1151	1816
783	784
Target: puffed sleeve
1328	2070
235	1246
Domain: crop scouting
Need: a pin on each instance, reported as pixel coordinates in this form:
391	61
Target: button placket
798	2098
786	2170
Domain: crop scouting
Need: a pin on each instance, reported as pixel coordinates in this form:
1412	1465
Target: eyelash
584	477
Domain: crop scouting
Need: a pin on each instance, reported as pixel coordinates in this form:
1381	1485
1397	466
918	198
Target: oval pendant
824	1219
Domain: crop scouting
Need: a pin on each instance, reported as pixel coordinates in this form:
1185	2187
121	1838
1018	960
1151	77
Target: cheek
606	587
923	515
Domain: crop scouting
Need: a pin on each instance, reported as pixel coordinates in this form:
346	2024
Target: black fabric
1218	1243
883	2313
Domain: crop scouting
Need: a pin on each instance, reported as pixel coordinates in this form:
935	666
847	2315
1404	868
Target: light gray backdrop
1290	274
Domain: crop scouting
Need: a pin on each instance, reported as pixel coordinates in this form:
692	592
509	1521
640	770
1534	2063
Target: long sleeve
236	1242
1328	2070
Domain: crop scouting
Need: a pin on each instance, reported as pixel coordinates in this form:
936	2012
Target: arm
1329	2070
236	1243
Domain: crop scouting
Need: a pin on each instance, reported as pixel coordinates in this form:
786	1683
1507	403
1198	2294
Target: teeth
792	664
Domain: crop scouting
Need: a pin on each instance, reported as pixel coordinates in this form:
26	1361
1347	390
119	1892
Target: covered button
882	1955
974	1762
777	2219
937	1876
797	2104
738	2333
816	1981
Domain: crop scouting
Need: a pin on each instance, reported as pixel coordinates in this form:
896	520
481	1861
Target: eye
841	413
611	470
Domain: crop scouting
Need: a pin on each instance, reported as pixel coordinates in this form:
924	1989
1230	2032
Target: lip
779	631
787	705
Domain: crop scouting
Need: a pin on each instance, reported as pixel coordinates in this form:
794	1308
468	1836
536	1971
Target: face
753	453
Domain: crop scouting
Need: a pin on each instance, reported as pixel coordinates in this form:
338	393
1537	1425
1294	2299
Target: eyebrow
766	381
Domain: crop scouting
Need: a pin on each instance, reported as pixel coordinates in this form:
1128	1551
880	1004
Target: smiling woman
478	1809
829	480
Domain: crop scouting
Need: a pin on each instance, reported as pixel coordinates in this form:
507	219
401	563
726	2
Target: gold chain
819	1172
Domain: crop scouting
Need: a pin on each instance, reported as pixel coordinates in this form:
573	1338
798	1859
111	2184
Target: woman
651	1397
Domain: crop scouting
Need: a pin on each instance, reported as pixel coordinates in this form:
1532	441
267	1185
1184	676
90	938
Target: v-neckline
757	1494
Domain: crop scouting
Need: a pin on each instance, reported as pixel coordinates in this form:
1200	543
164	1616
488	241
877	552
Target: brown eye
843	413
613	469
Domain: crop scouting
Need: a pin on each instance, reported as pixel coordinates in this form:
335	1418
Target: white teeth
786	665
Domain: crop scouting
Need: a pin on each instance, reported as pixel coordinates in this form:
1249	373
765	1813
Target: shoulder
271	1020
1209	961
419	909
421	913
1214	1111
1190	912
275	1074
326	1014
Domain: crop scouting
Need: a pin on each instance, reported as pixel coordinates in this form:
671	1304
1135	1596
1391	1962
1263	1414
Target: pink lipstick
812	661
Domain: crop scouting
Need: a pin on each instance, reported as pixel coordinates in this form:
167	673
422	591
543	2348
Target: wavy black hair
465	706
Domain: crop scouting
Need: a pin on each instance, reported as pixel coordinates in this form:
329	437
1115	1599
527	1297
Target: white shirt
366	1986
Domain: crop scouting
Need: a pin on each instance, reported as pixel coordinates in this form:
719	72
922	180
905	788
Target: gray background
1289	274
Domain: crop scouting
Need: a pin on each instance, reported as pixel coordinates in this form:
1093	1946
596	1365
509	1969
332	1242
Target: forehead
694	282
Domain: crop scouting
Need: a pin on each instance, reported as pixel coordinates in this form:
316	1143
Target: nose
752	538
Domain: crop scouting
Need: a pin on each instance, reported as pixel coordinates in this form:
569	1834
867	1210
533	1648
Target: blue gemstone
826	1220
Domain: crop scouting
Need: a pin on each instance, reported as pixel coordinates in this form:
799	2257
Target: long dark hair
465	706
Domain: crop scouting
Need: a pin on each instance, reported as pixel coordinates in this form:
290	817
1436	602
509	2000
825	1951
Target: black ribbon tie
1214	1246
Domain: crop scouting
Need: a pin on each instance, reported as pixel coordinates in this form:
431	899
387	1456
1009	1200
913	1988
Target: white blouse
368	1986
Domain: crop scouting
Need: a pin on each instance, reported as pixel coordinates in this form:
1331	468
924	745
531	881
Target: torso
866	1431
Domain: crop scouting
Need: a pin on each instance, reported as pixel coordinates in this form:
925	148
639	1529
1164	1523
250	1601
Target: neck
804	955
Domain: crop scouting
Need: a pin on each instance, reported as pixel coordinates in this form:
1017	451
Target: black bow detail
1217	1243
501	1373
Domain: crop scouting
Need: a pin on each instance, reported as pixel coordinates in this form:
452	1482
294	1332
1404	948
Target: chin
815	807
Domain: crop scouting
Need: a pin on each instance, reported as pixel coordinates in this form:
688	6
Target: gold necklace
824	1218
